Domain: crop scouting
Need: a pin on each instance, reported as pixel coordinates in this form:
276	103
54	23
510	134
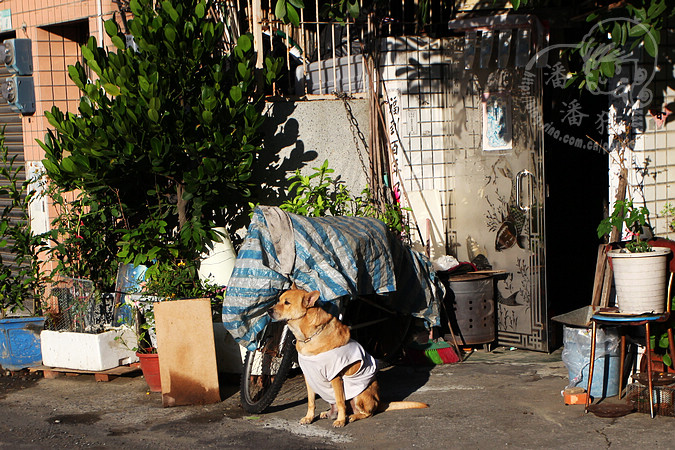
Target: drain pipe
99	12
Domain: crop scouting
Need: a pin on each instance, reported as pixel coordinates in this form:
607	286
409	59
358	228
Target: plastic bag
445	262
576	353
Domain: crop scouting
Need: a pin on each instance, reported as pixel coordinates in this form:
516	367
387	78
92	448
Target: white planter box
85	351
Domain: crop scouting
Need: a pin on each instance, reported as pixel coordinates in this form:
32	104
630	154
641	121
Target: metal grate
638	395
73	306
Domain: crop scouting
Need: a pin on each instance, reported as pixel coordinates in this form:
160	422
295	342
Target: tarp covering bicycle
341	257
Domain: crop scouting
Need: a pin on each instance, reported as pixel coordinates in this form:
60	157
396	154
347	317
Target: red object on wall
661	242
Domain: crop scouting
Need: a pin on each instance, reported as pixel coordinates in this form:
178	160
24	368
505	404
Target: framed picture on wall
497	125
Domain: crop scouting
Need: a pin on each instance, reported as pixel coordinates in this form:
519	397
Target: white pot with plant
640	270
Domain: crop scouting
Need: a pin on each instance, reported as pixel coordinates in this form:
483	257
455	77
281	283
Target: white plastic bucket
640	280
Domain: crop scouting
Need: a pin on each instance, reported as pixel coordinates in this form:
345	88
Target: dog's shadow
398	382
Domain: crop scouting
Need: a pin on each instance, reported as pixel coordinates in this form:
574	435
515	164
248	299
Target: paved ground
503	399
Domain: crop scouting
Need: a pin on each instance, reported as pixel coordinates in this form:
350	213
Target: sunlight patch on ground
445	388
308	431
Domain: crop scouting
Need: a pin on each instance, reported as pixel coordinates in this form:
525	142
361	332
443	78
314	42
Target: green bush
165	137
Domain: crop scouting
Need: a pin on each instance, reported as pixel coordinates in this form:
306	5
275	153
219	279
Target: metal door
468	158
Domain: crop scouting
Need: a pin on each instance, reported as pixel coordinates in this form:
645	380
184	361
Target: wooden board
187	353
103	375
426	206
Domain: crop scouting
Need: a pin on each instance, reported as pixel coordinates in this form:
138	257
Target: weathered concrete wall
302	135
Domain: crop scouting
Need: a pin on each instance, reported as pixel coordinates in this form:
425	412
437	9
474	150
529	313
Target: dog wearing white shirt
335	366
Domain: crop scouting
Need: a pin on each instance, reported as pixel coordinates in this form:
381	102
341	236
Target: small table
612	317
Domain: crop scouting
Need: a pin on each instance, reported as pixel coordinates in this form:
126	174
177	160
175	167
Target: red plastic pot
150	368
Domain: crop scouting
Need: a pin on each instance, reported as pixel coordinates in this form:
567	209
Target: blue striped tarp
341	257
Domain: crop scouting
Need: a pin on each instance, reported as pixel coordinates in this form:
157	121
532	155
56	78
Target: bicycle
380	330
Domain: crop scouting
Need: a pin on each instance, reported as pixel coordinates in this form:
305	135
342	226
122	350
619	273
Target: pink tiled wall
57	28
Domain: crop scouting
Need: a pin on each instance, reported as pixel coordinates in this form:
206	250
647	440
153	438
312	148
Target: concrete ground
503	399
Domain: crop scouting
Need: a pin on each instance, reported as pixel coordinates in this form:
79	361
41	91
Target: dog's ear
309	299
293	286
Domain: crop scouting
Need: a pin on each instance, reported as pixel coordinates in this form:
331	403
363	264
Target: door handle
519	190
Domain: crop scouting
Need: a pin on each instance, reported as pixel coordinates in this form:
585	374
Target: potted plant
640	271
78	338
21	280
175	137
80	331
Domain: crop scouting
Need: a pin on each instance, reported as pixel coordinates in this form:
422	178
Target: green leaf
280	9
607	68
616	33
153	115
87	54
244	43
243	70
591	17
168	7
170	33
68	165
111	27
235	93
293	16
297	3
74	75
663	341
638	30
111	89
354	9
656	9
135	7
200	10
119	42
515	3
207	116
143	84
651	43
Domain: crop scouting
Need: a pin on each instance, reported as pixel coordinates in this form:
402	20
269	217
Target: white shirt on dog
320	369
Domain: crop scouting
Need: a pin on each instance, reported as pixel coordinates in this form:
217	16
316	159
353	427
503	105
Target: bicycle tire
265	370
383	340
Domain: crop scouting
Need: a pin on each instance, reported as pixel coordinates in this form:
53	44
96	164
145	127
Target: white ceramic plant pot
217	265
640	280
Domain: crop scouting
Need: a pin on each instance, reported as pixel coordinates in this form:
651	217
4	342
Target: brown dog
319	336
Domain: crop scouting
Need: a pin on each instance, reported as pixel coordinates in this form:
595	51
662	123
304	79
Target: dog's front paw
339	423
306	420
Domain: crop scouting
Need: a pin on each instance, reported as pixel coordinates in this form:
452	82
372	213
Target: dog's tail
394	406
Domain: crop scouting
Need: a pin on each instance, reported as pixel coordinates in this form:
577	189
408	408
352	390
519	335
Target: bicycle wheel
266	369
381	333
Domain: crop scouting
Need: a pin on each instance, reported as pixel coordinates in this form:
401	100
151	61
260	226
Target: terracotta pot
657	364
150	368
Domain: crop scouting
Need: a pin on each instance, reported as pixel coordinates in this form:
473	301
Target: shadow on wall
282	154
